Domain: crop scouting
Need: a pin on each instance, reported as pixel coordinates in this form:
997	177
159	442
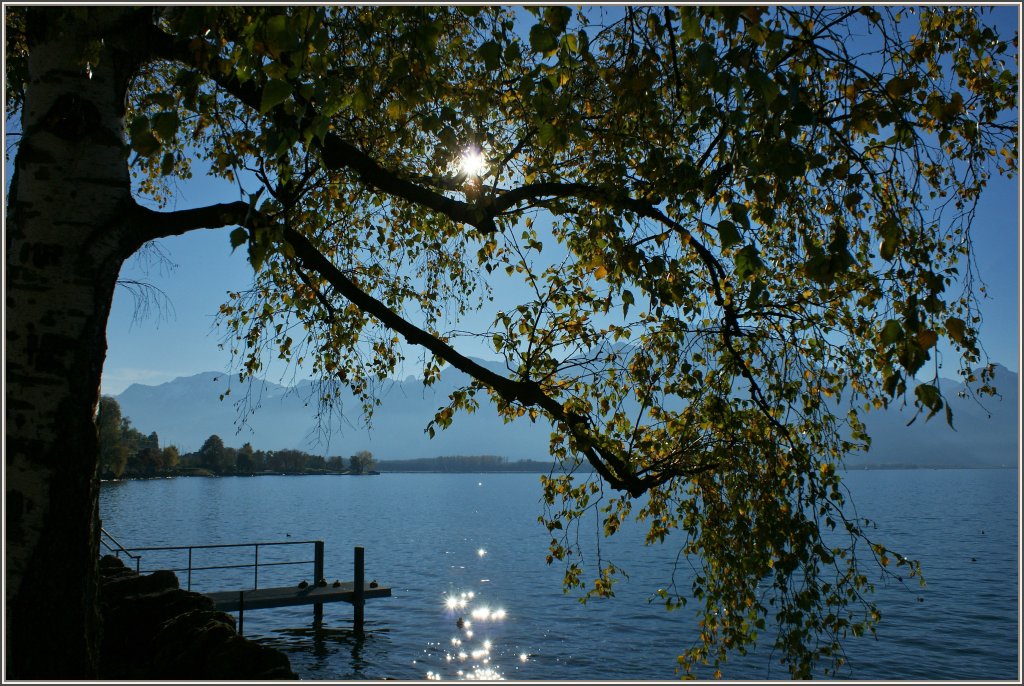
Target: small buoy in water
336	583
974	559
373	584
461	623
303	584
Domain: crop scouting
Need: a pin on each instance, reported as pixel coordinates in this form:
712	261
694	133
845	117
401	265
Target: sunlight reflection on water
472	653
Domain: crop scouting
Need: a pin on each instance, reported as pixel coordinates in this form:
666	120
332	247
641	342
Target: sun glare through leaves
473	163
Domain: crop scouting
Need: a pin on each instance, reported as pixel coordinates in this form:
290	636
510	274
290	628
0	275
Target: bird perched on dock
321	583
336	583
373	584
303	584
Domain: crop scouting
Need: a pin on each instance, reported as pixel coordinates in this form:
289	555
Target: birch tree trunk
65	236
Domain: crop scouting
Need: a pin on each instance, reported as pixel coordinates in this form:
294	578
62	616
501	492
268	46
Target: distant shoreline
859	468
206	474
912	467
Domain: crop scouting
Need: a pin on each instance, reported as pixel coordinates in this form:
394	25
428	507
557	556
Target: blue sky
181	340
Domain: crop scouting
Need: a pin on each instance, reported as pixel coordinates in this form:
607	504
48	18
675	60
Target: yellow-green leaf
891	332
238	236
926	339
956	328
728	235
557	17
165	125
274	93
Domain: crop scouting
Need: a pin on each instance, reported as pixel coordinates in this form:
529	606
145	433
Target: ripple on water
428	532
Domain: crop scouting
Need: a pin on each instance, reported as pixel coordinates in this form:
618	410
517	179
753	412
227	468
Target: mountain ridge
187	410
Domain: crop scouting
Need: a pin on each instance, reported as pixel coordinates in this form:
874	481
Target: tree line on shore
126	452
465	463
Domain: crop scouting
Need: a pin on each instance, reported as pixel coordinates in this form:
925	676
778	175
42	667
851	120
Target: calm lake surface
472	541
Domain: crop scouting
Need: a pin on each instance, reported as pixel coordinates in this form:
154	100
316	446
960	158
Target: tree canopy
739	228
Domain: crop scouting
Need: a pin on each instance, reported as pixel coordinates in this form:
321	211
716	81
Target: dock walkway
260	598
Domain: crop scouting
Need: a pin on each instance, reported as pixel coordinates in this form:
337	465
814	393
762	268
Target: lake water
438	539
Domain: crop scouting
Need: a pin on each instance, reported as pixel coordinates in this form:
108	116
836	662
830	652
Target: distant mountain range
985	435
187	410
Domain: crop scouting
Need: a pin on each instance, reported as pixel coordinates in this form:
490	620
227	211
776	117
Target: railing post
190	568
318	573
357	592
318	561
241	613
256	569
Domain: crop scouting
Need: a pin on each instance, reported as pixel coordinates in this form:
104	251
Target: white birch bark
66	209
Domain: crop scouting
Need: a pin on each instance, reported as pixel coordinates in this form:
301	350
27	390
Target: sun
473	163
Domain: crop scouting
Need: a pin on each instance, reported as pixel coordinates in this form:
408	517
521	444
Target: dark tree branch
612	467
147	224
675	56
338	154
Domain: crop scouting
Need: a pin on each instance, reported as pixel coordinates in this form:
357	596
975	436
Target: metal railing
114	546
317	561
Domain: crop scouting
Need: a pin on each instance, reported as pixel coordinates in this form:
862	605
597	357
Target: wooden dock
260	598
354	592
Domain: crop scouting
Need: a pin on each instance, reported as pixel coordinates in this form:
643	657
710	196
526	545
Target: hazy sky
181	340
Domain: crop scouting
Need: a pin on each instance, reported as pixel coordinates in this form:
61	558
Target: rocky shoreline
155	630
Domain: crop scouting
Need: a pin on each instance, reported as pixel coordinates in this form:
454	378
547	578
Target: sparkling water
473	596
